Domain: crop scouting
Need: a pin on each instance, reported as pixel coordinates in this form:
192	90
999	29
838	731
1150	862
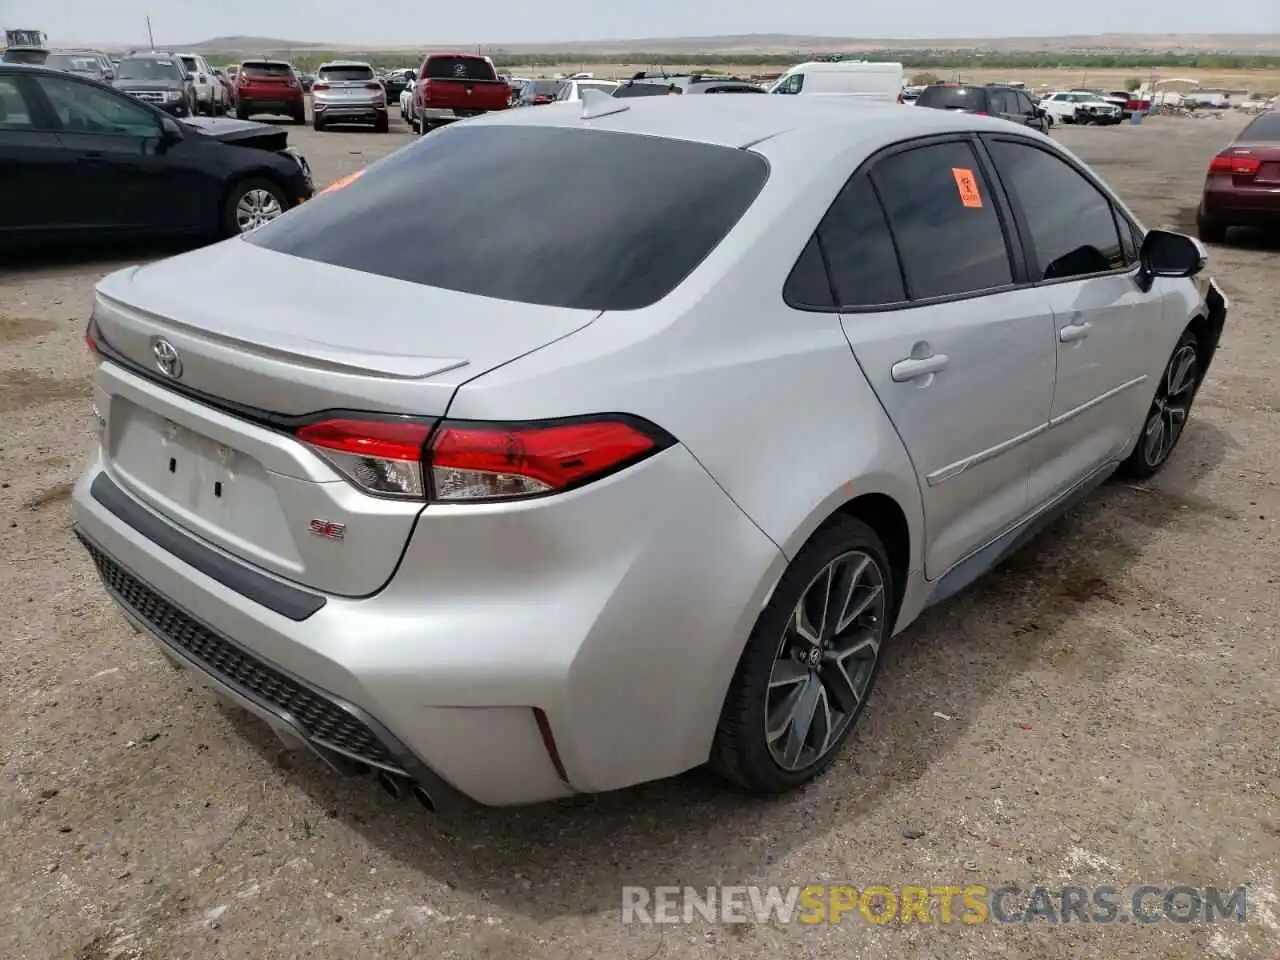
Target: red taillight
373	85
424	90
91	339
319	86
981	113
472	462
381	457
1230	163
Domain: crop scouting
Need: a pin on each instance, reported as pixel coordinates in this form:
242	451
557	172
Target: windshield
64	61
482	201
460	68
345	74
140	69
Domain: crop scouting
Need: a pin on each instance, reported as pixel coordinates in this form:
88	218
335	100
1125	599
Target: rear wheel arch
885	516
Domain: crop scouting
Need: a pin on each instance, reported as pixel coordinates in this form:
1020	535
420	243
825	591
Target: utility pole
150	36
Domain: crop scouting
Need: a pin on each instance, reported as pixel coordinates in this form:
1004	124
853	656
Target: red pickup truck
452	86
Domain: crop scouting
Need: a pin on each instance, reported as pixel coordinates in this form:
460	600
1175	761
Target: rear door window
494	214
859	249
944	221
14	112
460	68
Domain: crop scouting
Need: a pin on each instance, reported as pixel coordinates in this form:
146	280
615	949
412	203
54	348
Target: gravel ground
1102	710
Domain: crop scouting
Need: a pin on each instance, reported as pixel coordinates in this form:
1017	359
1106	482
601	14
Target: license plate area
216	491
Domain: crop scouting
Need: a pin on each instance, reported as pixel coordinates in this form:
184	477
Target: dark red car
1242	187
269	86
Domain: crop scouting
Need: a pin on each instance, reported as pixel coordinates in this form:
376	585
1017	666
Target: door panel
125	177
1104	323
969	427
35	172
1103	327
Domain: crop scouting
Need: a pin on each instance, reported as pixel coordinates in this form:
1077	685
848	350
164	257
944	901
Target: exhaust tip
424	798
390	784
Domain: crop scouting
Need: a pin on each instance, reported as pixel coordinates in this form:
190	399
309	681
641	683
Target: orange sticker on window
967	184
343	182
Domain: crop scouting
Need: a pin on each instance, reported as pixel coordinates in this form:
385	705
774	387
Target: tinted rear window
76	64
460	68
1265	128
344	74
25	56
646	90
266	69
482	201
953	98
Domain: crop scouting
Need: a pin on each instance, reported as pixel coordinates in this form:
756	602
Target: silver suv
348	91
612	475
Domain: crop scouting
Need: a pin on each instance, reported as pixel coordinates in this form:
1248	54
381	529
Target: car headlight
173	95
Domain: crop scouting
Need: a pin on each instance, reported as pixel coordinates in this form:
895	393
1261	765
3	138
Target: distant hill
1257	43
238	44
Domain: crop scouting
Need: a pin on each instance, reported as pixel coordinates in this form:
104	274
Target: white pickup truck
211	96
1078	106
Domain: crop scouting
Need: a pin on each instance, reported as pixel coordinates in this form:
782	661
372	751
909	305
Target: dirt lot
1103	710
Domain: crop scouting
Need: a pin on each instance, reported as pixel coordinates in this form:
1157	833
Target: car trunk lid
264	342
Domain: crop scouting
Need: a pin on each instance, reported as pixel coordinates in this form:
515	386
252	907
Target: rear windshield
734	88
543	88
460	68
344	74
646	90
147	69
482	201
1265	129
75	64
260	69
189	63
963	98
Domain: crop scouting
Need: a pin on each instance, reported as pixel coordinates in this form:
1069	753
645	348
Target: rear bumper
346	112
448	113
270	105
1247	206
619	611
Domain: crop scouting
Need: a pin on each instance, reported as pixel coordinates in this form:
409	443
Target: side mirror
1168	254
1040	113
170	131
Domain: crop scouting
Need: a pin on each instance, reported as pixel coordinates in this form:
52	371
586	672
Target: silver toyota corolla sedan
611	475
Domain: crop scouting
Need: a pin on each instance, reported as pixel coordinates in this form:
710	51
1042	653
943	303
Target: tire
382	124
778	667
242	113
317	123
1169	412
300	116
423	128
1211	231
229	223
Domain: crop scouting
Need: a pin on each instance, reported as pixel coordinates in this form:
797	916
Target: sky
494	22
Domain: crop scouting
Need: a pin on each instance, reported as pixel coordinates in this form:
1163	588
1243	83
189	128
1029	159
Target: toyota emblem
168	361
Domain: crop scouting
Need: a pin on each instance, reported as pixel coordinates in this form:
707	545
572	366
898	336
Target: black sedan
395	82
83	162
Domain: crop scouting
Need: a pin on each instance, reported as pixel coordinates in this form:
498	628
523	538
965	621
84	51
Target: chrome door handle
1074	332
913	369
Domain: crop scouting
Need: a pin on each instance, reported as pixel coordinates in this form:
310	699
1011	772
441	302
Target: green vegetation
918	60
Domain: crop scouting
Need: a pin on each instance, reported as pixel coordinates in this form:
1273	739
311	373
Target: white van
843	78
